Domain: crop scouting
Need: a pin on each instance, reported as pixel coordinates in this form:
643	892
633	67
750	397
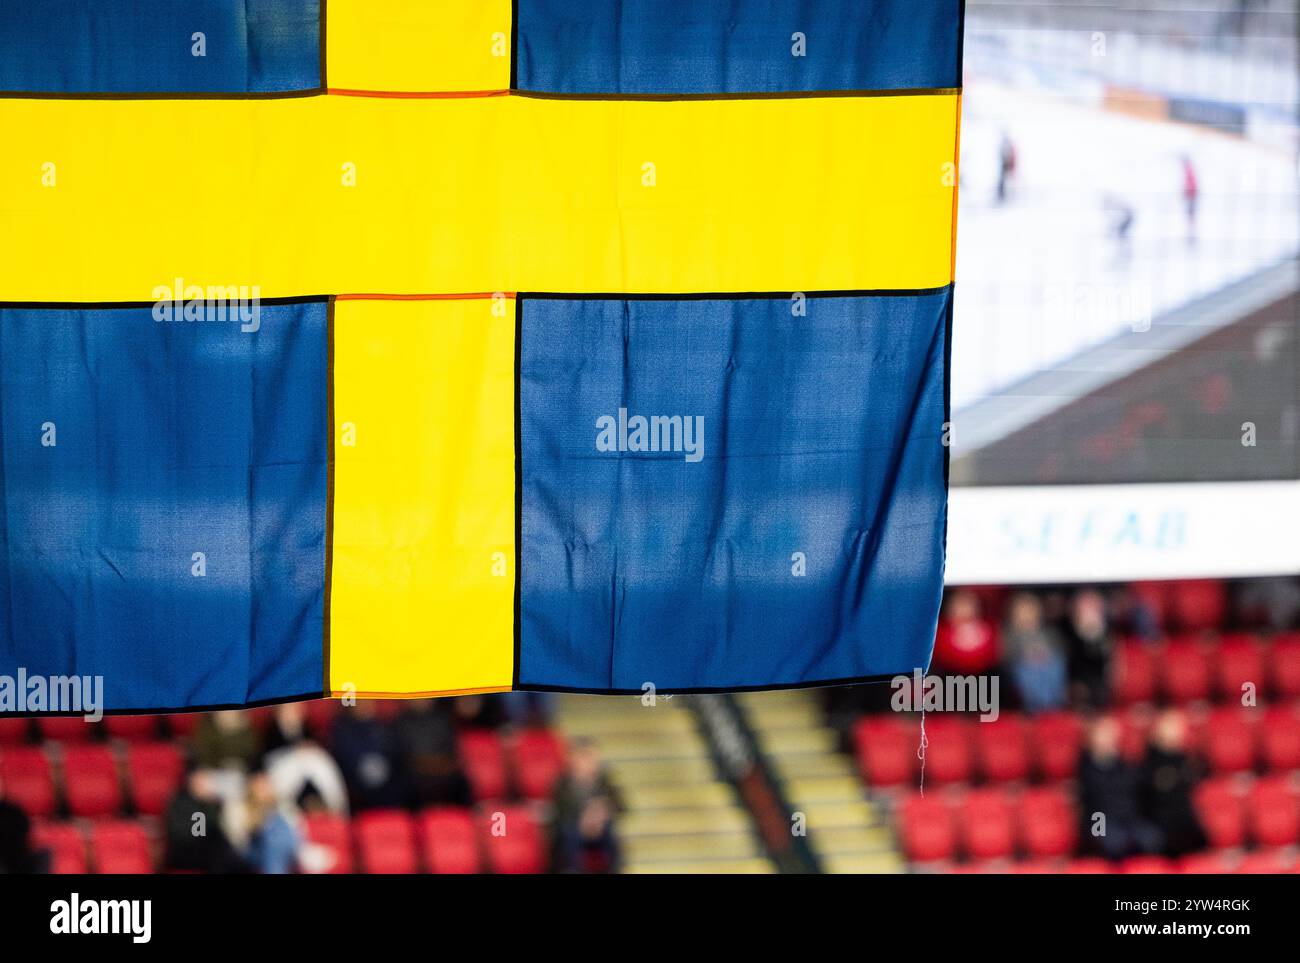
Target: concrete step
676	822
729	867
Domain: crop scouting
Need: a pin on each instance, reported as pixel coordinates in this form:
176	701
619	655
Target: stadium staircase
680	815
848	832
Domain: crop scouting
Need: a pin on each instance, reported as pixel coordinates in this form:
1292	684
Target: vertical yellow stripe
418	45
423	552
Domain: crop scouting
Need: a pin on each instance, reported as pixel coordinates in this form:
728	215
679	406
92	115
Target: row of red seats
93	780
1216	862
104	846
1187	605
320	714
1237	809
438	840
987	824
75	729
1185	671
93	776
1015	747
529	762
1041	823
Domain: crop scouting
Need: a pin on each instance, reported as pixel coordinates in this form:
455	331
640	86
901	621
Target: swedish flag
402	348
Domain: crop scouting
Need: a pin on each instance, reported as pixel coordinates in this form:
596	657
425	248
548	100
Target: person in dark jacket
1089	642
1109	803
1169	775
586	802
16	852
370	758
426	738
196	840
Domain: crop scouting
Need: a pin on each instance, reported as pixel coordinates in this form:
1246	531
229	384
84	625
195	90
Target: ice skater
1006	166
1191	193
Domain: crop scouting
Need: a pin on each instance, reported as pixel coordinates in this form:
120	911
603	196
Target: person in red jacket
965	644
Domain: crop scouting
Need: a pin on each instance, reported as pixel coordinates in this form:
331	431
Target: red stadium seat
1057	737
987	824
1239	660
1149	864
154	772
1219	806
1047	822
13	732
1187	672
119	846
484	759
1135	672
1280	738
948	757
1135	730
450	840
1265	861
183	724
1274	812
513	841
90	781
926	829
28	779
1211	862
1200	604
1091	865
330	831
1025	867
66	845
1229	742
65	728
886	751
538	762
132	728
320	715
1285	667
386	841
1155	596
1002	748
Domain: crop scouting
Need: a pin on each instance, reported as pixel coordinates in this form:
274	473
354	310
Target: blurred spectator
16	852
196	840
427	741
528	709
585	805
368	755
1091	644
1037	655
1109	787
227	739
1168	777
273	841
478	712
1271	603
302	773
1136	614
964	644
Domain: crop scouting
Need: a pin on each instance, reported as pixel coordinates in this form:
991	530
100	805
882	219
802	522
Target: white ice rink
1043	276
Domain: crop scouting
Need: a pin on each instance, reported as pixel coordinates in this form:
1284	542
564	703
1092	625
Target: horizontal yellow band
111	200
